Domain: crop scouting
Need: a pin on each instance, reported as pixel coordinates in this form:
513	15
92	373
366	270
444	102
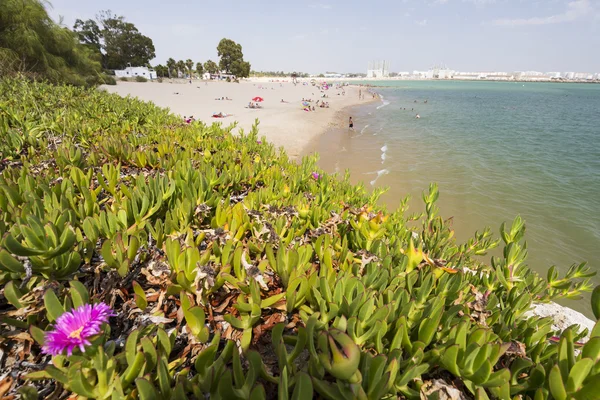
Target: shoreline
336	137
339	122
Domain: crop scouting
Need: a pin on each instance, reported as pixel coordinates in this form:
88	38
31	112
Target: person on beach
417	116
351	124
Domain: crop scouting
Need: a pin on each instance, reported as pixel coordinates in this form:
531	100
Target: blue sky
343	36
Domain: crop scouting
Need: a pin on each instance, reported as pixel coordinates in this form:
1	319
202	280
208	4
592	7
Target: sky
344	35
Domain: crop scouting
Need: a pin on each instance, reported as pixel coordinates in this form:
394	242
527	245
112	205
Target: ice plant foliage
353	301
74	328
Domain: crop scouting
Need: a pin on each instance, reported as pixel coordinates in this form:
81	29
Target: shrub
123	79
109	80
159	80
140	78
202	241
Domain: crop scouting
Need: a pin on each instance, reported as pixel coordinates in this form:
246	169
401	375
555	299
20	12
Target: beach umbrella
258	99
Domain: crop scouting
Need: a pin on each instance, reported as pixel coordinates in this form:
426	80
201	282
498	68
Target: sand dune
284	124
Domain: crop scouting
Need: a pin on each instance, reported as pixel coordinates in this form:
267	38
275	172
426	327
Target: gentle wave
504	152
384	102
379	174
363	129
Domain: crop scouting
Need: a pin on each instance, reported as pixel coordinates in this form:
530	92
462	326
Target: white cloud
321	6
575	10
421	23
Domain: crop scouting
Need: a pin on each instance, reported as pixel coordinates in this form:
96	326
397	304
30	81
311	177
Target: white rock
562	317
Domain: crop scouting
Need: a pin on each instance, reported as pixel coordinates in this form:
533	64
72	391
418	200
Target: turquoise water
496	149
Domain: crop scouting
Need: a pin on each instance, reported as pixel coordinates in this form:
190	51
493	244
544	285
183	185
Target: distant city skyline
336	35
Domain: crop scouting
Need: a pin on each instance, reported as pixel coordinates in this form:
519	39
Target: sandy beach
283	123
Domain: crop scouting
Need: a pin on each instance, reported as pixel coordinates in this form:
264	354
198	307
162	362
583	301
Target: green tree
120	42
161	71
240	68
31	43
181	68
199	69
232	58
189	65
211	67
89	33
171	64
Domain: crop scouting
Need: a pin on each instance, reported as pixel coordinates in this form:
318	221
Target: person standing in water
351	124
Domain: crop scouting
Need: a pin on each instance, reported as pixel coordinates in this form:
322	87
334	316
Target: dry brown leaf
5	385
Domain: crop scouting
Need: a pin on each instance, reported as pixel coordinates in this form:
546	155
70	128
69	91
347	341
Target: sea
496	150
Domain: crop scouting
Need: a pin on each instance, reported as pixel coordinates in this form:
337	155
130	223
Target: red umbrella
258	99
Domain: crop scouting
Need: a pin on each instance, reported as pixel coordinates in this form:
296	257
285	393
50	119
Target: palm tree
211	67
189	64
170	65
161	70
199	69
181	67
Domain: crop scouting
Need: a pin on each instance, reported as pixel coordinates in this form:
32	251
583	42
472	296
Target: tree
119	41
89	33
232	58
161	71
181	68
199	69
31	43
240	68
211	67
171	65
189	65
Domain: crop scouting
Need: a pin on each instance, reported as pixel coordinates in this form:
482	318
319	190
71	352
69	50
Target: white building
439	72
583	75
132	72
378	69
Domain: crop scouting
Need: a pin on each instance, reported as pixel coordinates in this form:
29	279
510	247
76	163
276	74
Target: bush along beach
143	257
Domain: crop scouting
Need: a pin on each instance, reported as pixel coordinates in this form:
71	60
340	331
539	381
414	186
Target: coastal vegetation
117	42
231	62
278	74
232	59
145	257
33	45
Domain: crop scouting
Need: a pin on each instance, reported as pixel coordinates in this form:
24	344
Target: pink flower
315	175
259	141
73	329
